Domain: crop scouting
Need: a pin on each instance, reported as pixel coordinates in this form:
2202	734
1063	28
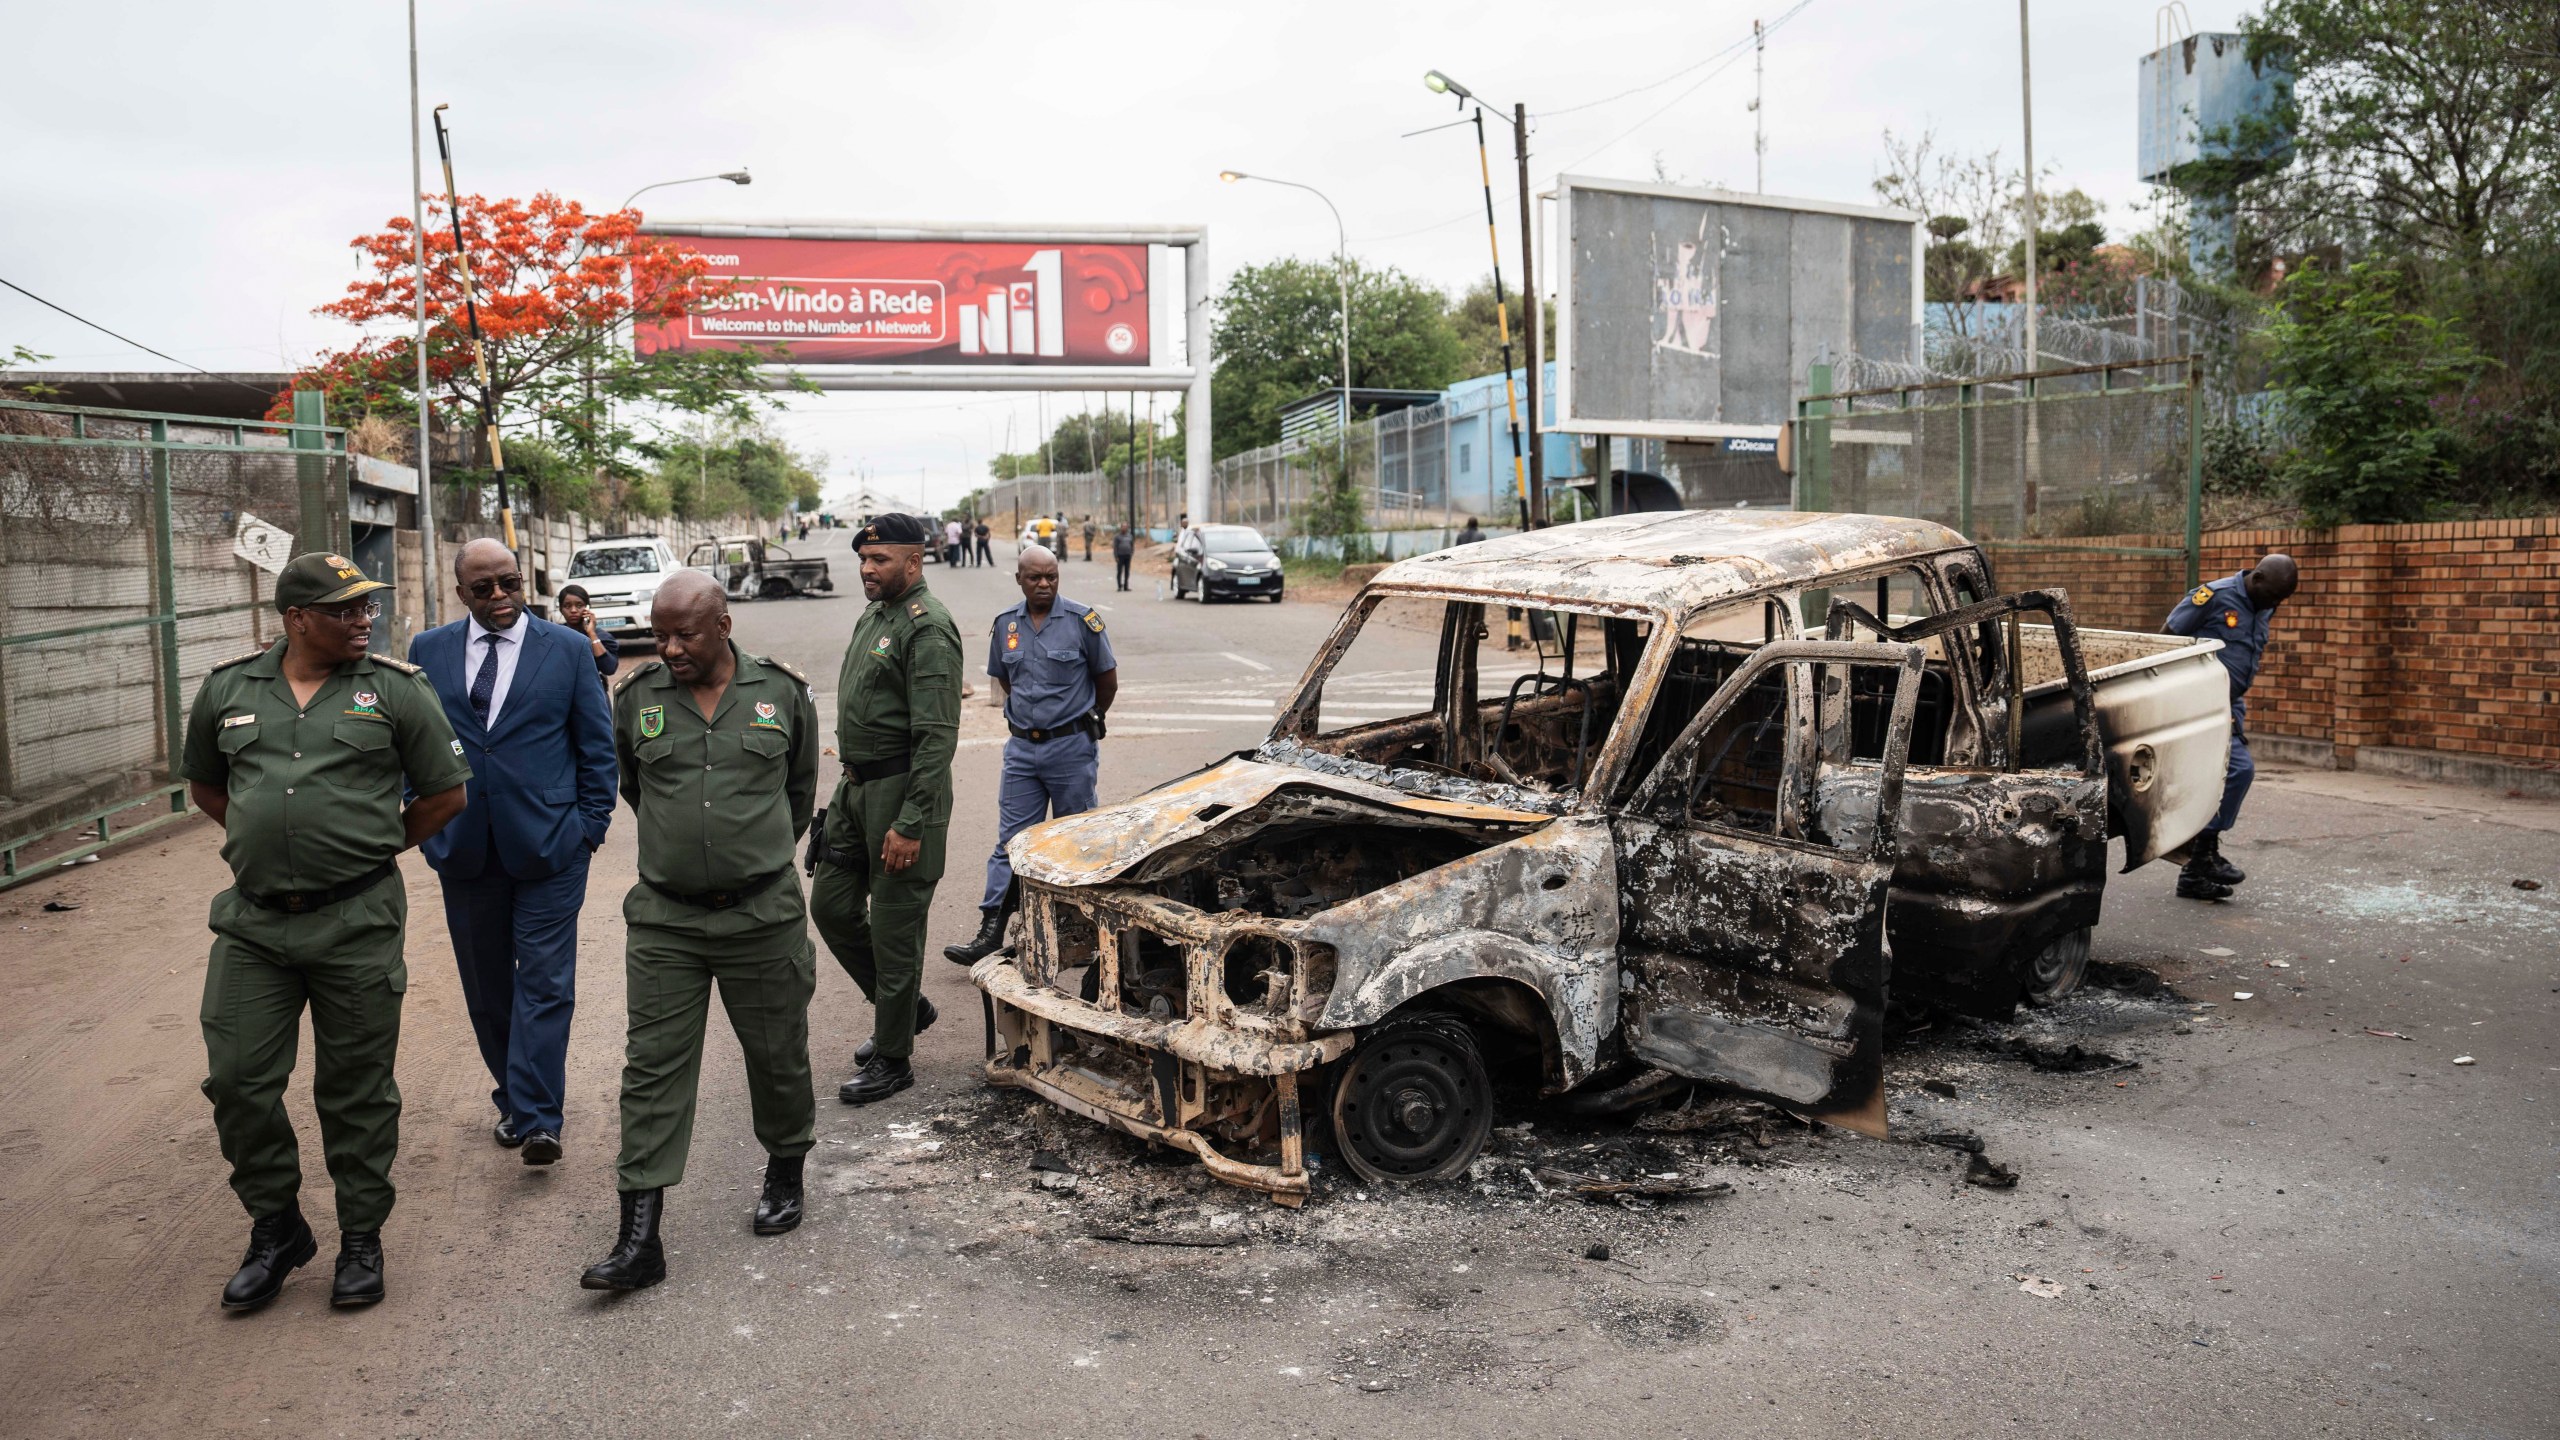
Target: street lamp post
1529	475
1342	274
738	176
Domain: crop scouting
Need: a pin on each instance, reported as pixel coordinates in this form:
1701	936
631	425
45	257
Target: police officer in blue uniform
2234	610
1054	666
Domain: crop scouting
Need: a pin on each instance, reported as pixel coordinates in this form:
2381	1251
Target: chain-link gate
2029	462
122	583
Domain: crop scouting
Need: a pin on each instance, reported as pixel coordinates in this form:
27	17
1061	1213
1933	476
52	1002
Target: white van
621	574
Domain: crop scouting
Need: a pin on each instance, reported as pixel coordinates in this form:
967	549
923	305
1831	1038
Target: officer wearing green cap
301	752
880	853
719	758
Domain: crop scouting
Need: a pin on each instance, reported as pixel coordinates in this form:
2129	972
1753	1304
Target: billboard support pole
1534	314
1195	400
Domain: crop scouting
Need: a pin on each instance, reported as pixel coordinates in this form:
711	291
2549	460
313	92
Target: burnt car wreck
1765	768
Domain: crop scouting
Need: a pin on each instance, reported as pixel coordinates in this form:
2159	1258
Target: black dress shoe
978	947
778	1208
541	1148
505	1131
925	1016
279	1244
879	1080
637	1261
359	1269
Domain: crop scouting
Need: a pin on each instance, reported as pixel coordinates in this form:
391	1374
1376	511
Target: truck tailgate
2164	711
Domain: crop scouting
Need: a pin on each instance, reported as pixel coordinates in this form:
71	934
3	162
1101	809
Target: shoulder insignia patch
915	609
241	659
2231	619
2203	596
403	666
1093	621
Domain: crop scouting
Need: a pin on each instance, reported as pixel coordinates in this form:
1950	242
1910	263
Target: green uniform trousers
875	921
343	961
760	956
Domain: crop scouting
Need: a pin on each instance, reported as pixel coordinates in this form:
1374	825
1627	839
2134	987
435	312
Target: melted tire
1413	1102
2056	970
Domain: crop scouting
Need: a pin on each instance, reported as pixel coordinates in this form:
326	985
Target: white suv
621	574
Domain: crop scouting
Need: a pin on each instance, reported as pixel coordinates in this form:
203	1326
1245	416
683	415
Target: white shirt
951	533
510	649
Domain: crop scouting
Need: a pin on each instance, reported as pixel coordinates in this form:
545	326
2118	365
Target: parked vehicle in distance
1216	560
621	574
1758	768
749	567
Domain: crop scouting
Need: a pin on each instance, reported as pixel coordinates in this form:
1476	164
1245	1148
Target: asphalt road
2270	1222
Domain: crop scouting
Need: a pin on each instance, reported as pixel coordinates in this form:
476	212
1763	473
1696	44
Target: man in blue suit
538	732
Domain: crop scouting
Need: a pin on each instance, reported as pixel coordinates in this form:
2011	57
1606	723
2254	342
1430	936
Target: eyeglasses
483	589
350	614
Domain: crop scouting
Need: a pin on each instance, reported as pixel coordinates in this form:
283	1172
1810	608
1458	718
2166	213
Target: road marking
1249	664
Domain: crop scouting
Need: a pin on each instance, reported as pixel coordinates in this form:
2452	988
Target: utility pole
428	587
1536	314
1759	110
2027	105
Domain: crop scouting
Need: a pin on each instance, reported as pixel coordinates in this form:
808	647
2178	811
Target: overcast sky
189	174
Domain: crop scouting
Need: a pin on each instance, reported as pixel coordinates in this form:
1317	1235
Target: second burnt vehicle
1759	768
750	567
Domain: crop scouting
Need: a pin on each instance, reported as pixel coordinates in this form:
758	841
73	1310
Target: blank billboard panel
1690	313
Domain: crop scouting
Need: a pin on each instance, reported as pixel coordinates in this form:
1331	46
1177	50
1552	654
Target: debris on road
2464	1060
2038	1285
58	906
2071	1059
2218	952
1964	1140
2387	1034
1939	1088
1599	1251
1189	1240
1653	1187
1990	1174
2244	994
2526	884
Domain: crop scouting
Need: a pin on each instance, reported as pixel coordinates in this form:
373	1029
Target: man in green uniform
300	753
719	753
876	862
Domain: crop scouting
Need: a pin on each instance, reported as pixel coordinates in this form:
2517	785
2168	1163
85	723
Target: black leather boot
637	1262
879	1080
279	1244
978	947
2204	859
359	1269
2195	884
925	1016
778	1208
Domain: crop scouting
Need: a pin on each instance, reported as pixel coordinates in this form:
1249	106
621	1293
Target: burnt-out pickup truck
1758	770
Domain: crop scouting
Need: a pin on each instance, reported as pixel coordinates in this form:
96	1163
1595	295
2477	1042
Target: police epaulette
623	681
240	659
915	609
403	666
786	667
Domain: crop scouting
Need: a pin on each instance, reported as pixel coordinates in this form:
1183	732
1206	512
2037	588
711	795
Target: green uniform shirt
899	694
315	789
725	800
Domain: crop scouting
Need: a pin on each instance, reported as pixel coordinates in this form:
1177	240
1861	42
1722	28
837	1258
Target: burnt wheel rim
1414	1104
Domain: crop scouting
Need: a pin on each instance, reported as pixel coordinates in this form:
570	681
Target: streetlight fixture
738	176
1529	471
1342	274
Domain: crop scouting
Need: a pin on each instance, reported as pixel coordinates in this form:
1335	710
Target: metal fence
2016	462
120	589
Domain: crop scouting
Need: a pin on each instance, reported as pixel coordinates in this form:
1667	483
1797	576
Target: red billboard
928	302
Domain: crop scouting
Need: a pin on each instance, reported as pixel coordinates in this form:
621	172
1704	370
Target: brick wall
2426	637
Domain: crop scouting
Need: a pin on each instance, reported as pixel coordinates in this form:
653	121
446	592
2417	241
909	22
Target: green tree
2362	377
1480	333
740	469
1279	338
2426	127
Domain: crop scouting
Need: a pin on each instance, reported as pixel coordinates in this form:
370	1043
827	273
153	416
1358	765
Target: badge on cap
652	720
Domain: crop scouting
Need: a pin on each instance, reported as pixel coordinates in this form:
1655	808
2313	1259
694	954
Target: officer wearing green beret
880	854
300	752
719	758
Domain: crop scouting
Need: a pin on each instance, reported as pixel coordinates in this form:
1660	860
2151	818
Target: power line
1731	56
129	340
1676	74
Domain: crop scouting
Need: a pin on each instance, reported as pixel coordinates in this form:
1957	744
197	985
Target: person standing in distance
880	852
537	731
1088	539
986	545
1124	548
719	757
2235	610
577	611
301	752
1053	662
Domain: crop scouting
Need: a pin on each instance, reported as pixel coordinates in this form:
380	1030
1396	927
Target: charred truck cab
1759	769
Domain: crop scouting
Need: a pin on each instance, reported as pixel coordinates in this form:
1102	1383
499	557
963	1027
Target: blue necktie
484	686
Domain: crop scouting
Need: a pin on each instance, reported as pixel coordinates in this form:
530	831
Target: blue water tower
2212	120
